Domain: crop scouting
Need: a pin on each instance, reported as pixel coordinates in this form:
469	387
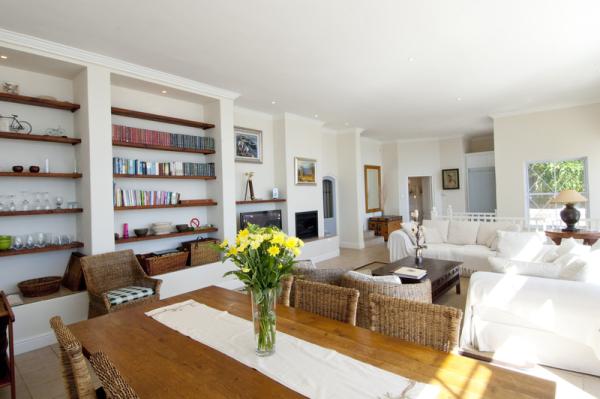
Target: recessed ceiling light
3	57
411	59
164	92
316	115
273	102
458	98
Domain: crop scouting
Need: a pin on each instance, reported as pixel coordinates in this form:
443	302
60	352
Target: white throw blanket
568	309
306	368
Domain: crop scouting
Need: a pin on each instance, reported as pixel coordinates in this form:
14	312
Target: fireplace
307	224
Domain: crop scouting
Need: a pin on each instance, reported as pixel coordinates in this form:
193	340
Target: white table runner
306	368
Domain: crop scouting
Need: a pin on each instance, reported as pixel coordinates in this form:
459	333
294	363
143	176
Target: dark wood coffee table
444	274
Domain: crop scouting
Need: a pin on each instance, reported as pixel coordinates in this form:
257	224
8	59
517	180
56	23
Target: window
546	179
327	198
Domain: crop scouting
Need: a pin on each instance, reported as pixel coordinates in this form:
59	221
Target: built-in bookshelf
38	137
141	207
39	102
35	212
260	201
169	235
161	118
48	248
42	175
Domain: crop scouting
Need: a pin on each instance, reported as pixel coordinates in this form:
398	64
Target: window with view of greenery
546	179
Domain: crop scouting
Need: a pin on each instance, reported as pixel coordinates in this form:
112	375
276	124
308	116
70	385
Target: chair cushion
123	295
375	279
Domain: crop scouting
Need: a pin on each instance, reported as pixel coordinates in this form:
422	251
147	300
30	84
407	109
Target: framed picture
450	179
248	145
306	171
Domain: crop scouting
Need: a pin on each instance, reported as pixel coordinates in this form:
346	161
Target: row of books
144	198
134	135
124	166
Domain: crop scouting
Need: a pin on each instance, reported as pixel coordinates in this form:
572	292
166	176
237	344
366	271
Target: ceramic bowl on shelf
17	168
34	169
161	228
141	232
5	243
182	228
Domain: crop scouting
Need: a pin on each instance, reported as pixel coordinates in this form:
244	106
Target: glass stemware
40	240
2	205
25	206
37	204
29	241
59	202
12	206
17	242
47	204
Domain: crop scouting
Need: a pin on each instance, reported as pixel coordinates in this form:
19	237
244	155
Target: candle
47	166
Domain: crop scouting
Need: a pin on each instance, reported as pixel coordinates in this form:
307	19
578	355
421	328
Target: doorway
329	206
420	196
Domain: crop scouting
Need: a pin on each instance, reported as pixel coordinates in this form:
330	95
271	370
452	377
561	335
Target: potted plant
263	256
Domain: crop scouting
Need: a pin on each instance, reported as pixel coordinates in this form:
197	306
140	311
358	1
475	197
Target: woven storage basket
154	264
201	251
40	286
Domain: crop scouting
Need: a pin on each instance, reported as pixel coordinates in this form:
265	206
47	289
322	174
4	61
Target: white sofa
534	320
470	242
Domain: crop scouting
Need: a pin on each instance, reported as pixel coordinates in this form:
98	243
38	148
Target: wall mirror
373	188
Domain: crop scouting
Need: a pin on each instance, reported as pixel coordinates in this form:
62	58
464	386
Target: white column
94	159
350	179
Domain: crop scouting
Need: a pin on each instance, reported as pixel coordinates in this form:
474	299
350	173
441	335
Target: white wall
541	136
350	181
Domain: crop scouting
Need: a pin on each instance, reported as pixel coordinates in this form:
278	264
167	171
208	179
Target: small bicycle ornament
18	126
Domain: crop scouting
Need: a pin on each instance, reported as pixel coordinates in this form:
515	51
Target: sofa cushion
432	236
376	279
538	269
123	295
520	245
440	225
463	232
486	235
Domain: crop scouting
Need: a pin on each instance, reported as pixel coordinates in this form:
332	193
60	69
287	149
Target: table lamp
569	214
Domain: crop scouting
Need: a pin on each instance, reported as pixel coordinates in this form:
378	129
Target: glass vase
264	319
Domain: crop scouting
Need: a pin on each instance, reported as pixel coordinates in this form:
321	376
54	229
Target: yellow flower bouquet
262	256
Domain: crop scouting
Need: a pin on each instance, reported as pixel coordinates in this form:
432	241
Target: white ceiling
396	68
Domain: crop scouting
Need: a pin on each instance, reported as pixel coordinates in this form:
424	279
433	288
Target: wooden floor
38	372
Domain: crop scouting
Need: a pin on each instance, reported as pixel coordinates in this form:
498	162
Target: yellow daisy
273	250
224	244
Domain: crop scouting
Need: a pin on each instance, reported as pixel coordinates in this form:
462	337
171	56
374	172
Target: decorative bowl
141	232
34	169
182	227
5	243
17	168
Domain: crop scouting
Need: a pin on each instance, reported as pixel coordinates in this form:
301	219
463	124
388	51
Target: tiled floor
38	372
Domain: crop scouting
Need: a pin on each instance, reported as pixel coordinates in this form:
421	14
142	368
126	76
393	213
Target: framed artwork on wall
306	171
450	179
248	145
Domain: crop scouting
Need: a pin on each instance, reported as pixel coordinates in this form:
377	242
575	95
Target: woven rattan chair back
325	276
113	382
286	289
111	270
420	292
326	300
425	324
76	375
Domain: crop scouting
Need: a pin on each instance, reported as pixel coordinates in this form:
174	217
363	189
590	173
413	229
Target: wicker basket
201	251
154	264
40	286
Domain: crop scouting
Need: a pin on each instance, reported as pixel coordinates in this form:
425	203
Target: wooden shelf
50	248
163	177
17	98
138	207
29	174
260	201
170	235
41	212
161	148
38	137
160	118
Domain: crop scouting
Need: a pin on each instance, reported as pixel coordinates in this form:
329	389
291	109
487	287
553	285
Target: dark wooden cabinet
7	349
385	225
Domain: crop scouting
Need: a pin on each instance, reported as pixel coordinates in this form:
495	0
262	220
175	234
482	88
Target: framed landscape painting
248	145
450	179
306	171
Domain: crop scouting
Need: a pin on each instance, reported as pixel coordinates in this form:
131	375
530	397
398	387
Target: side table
589	237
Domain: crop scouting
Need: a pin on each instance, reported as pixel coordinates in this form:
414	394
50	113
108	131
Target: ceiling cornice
542	109
19	41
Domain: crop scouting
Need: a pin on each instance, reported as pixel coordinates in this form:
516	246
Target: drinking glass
47	204
66	239
59	202
12	206
40	240
2	205
56	239
29	241
25	203
37	204
17	242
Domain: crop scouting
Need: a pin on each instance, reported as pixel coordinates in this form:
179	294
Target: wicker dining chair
325	276
286	290
420	292
115	280
113	382
426	324
326	300
75	372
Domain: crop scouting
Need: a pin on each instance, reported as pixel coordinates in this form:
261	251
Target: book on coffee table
410	272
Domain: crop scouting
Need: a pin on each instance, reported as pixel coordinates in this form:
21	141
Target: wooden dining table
160	362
